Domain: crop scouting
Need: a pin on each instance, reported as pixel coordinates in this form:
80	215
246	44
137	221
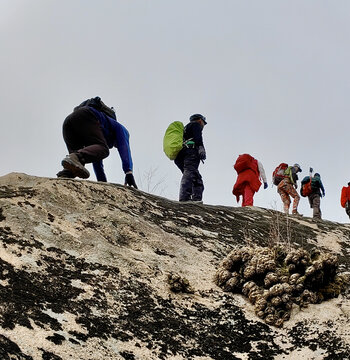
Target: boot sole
79	171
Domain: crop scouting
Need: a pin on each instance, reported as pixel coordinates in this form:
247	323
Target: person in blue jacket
89	132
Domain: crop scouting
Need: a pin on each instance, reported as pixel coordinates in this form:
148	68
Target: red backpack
244	162
278	173
306	188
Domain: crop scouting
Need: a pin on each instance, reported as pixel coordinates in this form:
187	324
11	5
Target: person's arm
99	171
262	172
322	188
123	146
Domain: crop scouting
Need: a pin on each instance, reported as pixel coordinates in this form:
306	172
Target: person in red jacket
345	198
249	171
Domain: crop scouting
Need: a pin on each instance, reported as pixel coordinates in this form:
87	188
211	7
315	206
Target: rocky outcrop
99	271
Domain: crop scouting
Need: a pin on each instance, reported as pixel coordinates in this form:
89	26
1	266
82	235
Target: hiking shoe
65	174
72	163
296	213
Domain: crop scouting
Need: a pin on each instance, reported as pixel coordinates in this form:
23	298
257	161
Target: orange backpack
306	188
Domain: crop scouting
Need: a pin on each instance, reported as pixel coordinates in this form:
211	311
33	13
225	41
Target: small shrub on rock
179	284
274	280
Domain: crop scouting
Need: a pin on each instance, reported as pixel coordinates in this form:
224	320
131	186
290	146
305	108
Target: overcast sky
271	77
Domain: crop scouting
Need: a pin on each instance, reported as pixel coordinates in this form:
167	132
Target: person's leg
83	135
85	142
290	190
179	161
191	163
284	197
310	198
197	187
316	206
185	187
348	211
248	195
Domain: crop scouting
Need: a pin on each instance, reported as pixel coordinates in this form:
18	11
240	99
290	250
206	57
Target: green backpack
173	139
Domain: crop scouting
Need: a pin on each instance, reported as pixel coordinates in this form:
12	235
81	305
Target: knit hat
195	117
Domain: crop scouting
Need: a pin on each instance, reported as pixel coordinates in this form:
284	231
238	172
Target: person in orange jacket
345	198
249	171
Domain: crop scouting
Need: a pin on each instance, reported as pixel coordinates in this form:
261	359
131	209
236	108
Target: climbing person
345	198
189	157
249	171
287	187
312	187
89	132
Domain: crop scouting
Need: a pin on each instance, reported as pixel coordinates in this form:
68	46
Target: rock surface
85	268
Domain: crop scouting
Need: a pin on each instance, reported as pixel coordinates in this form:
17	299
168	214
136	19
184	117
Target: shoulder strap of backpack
98	104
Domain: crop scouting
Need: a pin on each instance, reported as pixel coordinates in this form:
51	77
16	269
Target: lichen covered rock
84	275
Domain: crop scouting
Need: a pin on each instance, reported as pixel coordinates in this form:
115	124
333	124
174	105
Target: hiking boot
72	163
65	174
294	212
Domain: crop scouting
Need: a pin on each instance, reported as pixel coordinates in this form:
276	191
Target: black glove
265	185
201	153
130	181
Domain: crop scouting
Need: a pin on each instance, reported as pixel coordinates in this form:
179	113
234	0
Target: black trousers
82	134
347	208
191	187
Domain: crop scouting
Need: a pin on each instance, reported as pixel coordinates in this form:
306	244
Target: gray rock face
84	271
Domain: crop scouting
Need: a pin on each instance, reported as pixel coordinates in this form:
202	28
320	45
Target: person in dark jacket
188	159
315	196
89	134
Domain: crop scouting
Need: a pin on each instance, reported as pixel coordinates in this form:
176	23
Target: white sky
272	78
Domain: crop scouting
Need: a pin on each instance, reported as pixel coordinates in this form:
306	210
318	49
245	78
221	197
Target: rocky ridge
85	269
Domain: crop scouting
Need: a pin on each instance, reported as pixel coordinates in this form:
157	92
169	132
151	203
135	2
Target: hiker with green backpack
185	146
89	132
313	189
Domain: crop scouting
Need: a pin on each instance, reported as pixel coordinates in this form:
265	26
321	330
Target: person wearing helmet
188	159
287	188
